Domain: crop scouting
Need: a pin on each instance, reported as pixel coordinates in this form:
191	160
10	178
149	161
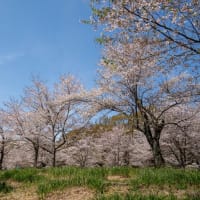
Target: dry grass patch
15	184
117	178
119	189
165	191
20	193
118	185
75	193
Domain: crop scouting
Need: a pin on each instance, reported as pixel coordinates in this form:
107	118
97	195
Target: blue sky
45	38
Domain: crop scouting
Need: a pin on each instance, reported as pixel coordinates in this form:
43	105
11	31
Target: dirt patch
20	193
75	193
118	185
119	189
117	178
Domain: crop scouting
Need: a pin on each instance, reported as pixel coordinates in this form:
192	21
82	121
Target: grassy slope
117	183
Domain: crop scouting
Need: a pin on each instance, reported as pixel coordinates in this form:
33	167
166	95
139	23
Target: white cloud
9	57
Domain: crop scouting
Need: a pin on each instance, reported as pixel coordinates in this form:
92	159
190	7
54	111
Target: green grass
48	180
47	187
146	197
21	175
122	171
178	178
5	188
93	178
136	197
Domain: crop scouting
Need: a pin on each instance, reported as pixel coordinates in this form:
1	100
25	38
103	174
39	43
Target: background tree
82	152
7	140
26	125
59	109
2	147
181	141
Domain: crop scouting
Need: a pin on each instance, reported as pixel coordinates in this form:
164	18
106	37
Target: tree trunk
1	156
154	142
157	154
53	146
54	158
36	154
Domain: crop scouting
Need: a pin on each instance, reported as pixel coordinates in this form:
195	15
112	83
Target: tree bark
154	141
36	155
157	154
2	155
54	158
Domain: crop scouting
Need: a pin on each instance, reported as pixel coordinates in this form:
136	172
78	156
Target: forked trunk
154	142
157	154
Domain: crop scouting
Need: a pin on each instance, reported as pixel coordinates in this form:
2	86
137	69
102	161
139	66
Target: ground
118	183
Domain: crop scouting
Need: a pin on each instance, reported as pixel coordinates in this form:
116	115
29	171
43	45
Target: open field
118	183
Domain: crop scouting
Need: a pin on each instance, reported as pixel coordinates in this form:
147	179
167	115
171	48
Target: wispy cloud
9	57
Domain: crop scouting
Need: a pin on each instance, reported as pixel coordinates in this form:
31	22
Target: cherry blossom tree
113	147
181	141
142	90
2	147
26	126
150	57
59	109
6	138
82	152
173	24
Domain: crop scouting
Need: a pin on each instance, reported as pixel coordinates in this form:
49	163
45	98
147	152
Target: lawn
118	183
